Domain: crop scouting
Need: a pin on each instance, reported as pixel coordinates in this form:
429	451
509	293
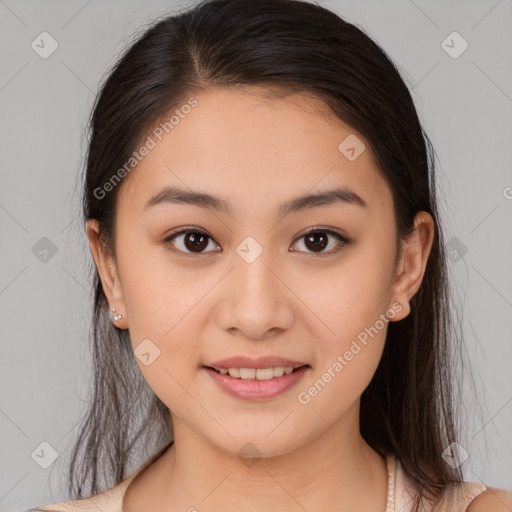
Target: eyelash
343	241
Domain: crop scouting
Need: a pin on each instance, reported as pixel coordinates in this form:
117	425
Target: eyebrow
174	195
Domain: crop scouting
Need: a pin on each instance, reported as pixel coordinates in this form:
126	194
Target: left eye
196	241
317	240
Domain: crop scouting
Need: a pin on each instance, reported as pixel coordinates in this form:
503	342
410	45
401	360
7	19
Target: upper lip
261	362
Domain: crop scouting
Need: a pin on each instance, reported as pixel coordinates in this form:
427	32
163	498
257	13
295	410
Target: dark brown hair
295	46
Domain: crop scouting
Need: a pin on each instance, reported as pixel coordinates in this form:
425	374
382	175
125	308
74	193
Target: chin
251	448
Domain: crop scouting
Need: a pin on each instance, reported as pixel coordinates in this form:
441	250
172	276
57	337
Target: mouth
260	374
256	384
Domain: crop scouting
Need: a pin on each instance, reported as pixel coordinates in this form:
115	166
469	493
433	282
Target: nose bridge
254	280
257	299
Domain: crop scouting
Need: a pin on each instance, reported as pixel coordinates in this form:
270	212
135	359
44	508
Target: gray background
465	104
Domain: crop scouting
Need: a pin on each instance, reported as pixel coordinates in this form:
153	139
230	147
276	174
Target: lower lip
253	389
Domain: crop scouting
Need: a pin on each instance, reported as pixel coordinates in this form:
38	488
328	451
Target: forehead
251	148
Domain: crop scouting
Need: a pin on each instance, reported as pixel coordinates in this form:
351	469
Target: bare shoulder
492	500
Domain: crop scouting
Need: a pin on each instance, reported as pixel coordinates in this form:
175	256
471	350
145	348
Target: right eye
192	241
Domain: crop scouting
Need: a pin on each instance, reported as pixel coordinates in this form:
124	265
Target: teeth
256	373
234	372
279	371
246	373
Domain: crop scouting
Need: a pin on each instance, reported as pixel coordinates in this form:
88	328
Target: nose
256	301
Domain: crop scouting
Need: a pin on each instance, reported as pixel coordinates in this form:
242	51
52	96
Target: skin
257	152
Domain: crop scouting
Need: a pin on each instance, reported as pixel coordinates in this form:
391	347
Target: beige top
400	494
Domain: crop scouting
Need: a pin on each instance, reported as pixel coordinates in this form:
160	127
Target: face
312	284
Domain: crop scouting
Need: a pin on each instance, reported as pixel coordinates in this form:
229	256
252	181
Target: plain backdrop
463	99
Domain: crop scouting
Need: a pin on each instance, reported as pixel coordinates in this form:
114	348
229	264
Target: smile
256	373
257	383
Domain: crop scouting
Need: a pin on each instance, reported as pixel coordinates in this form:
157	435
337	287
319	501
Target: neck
336	471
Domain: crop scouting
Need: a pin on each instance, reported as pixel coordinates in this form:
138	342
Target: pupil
318	240
198	241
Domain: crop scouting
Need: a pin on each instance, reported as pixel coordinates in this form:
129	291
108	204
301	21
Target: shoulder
462	496
107	501
110	500
473	497
63	506
492	500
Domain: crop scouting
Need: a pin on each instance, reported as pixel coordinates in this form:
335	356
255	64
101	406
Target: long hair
407	409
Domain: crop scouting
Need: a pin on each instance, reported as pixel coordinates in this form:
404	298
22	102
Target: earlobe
413	262
107	270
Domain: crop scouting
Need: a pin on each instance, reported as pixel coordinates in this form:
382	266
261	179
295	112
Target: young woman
271	314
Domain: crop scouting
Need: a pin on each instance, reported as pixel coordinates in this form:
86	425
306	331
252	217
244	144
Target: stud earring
114	316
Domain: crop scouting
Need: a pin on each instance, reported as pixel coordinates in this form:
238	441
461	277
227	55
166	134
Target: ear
107	269
413	262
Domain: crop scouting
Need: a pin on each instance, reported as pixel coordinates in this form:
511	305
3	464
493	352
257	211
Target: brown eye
195	242
192	241
317	240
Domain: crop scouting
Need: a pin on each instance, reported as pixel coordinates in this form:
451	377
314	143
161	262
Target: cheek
161	303
348	299
346	358
158	293
352	303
